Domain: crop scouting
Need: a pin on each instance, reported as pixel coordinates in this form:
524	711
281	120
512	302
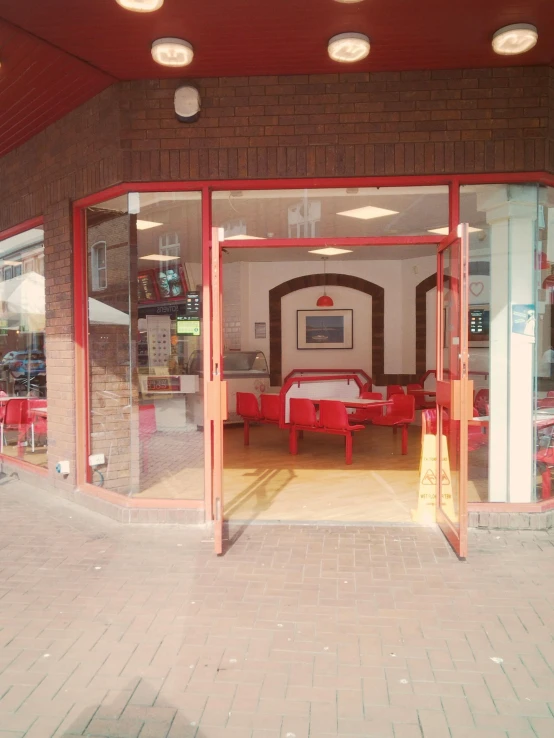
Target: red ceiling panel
57	53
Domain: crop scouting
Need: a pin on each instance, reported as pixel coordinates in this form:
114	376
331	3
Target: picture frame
171	283
147	286
324	329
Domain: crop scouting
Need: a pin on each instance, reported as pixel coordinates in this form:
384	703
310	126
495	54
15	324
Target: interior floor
263	481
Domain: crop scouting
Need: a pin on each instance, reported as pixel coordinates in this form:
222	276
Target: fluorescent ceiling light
515	39
141	6
330	251
446	230
144	225
244	237
348	47
368	212
172	52
160	257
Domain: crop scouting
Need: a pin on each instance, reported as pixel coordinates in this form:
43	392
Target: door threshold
331	523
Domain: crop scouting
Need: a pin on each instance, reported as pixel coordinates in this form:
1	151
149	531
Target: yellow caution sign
427	501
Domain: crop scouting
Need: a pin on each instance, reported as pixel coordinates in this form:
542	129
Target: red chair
367	414
476	435
271	408
545	402
550	393
420	402
394	389
481	401
429	422
248	409
400	414
16	417
545	462
333	418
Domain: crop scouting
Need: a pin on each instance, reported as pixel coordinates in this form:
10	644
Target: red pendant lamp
324	300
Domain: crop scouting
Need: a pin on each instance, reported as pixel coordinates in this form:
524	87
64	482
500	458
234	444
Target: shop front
158	283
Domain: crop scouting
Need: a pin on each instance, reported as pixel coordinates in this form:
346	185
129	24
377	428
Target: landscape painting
324	329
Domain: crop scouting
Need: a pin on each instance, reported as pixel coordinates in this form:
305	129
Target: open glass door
217	396
454	390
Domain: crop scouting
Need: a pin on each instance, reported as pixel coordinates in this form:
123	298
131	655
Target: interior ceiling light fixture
144	225
515	39
141	6
445	230
348	47
159	257
368	212
244	237
172	52
330	251
348	1
324	300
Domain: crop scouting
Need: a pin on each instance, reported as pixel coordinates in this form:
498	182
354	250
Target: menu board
193	305
159	339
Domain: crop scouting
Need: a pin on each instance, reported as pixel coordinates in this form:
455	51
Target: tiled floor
297	632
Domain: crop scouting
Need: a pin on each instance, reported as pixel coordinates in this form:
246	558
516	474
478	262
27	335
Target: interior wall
399	279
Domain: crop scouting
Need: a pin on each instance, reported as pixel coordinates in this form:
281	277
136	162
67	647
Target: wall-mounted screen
479	325
187	326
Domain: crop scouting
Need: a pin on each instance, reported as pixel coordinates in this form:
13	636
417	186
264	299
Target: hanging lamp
324	300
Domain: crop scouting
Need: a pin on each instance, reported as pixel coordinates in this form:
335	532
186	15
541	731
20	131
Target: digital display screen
187	326
479	319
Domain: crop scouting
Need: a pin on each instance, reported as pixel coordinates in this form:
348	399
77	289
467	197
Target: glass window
23	395
145	327
99	272
503	329
332	212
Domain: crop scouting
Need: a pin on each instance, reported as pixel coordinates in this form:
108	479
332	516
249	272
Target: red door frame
207	187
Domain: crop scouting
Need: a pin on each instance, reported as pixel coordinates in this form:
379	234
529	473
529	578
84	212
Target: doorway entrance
263	480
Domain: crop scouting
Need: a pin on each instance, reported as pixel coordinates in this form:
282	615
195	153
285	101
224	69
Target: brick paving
140	632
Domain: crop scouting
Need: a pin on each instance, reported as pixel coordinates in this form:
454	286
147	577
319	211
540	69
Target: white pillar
511	212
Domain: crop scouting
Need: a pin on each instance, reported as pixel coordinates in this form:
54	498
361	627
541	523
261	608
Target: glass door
217	392
454	390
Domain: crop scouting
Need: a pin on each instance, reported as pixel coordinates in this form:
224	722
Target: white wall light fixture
187	104
515	39
348	47
141	6
172	52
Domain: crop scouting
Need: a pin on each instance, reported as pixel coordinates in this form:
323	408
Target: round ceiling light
348	47
172	52
141	6
515	39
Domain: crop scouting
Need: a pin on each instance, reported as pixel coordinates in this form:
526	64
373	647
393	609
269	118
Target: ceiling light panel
244	237
515	39
330	251
446	230
348	47
172	52
141	6
159	257
144	225
368	212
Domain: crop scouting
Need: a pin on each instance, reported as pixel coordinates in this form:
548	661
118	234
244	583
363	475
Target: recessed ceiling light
515	39
244	237
144	225
141	6
446	230
159	257
368	212
172	52
348	47
330	251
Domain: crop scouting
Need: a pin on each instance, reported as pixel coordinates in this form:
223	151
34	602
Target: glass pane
505	279
450	479
23	394
333	212
145	327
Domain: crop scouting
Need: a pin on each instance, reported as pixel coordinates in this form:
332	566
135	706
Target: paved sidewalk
298	631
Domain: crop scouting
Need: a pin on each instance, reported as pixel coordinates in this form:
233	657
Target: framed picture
324	329
147	287
171	283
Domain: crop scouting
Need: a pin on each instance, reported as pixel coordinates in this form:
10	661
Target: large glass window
145	326
332	212
503	330
23	393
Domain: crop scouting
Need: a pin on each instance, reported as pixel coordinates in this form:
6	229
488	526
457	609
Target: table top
542	417
432	393
355	401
